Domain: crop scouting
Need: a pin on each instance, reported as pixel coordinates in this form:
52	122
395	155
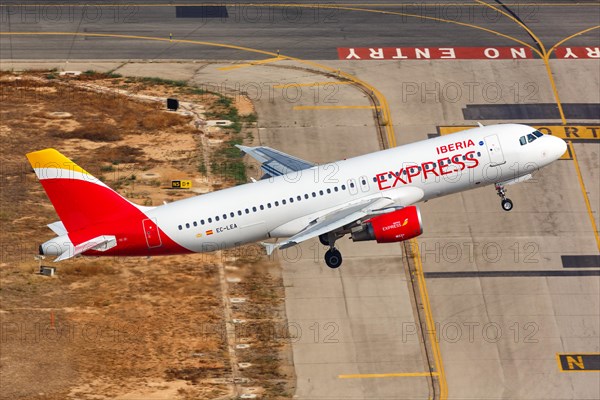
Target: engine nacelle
396	226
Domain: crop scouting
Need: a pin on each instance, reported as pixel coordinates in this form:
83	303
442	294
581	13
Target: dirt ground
130	328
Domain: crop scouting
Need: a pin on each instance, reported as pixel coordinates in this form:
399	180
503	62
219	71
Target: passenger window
283	201
299	198
195	223
180	227
268	205
321	192
217	218
239	212
262	207
187	226
201	222
209	220
314	194
328	191
224	216
254	209
335	188
276	204
232	214
306	196
343	187
247	211
291	199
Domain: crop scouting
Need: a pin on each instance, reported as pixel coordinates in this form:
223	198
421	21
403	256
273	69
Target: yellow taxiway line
335	107
544	54
250	64
585	195
310	84
571	37
429	321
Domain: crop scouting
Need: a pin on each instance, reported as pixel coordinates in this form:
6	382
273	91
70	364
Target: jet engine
396	226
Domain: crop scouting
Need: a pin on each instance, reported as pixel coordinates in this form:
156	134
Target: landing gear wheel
324	239
333	258
507	205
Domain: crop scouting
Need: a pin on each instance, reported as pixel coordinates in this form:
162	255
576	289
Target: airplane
369	197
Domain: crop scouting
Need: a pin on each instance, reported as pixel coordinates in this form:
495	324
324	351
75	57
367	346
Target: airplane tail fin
80	200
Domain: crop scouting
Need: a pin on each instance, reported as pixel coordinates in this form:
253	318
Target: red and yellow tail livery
94	218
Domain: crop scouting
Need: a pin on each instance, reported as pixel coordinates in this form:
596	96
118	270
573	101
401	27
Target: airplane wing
336	219
275	162
389	201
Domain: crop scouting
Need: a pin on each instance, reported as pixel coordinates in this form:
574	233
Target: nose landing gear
506	203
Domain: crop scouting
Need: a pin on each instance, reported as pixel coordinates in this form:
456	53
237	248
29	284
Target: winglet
99	243
242	148
269	247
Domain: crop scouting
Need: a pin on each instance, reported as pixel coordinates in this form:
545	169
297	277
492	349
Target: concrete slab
517	324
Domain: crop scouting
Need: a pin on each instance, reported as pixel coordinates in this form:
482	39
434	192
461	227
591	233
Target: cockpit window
530	137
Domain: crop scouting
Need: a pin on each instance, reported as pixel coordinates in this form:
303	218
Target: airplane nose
556	147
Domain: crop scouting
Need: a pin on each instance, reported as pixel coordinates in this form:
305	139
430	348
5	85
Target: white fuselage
284	205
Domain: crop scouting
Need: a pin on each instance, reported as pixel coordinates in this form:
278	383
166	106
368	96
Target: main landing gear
333	257
506	203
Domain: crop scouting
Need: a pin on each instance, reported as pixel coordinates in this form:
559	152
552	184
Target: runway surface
300	29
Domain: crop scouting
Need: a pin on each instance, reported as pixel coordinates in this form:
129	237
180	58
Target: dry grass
94	131
80	270
128	321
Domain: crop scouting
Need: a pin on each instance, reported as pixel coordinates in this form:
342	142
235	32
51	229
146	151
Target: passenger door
494	150
151	232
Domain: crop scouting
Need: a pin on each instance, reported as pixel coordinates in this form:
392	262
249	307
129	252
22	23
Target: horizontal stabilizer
99	243
58	227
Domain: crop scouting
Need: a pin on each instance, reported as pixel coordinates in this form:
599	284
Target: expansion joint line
434	383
